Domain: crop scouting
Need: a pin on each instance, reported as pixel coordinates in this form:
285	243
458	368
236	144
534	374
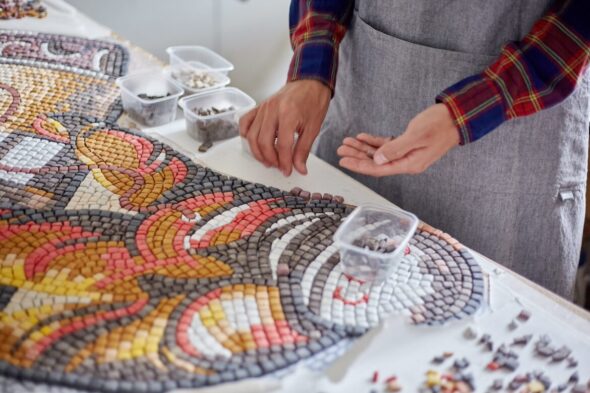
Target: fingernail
379	158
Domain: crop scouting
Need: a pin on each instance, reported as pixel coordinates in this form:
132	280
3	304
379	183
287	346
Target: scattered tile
572	362
524	316
498	384
470	333
561	354
513	325
375	377
461	363
522	340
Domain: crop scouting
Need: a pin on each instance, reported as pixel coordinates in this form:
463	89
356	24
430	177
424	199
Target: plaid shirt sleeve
317	27
535	73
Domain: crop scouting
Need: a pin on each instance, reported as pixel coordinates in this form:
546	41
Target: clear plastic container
217	126
369	228
175	72
198	57
150	112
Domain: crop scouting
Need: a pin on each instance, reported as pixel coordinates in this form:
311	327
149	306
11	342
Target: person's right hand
301	107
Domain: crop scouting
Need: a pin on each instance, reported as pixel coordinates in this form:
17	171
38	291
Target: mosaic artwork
125	266
16	9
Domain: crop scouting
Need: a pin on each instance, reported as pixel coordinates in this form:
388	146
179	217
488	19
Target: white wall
252	34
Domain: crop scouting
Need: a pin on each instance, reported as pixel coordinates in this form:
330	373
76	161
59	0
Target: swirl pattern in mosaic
124	266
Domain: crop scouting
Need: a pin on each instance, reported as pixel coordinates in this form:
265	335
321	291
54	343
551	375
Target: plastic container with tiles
374	224
196	80
199	58
149	97
230	102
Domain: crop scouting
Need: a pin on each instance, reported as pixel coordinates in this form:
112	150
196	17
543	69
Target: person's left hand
428	137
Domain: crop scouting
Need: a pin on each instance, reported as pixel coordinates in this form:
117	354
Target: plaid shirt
535	73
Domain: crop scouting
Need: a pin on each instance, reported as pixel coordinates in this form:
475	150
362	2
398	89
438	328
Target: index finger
246	121
409	164
373	140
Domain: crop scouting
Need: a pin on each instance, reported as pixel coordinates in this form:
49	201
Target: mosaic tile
126	266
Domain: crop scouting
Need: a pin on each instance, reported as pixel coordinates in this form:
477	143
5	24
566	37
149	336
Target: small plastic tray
154	112
218	126
222	79
198	57
373	222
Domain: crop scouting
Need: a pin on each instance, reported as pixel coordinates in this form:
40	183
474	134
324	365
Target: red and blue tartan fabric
529	75
317	28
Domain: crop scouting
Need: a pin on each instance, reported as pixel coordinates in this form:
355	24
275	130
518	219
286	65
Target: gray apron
518	194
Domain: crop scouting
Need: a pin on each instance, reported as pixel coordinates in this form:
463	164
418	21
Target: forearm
317	27
530	75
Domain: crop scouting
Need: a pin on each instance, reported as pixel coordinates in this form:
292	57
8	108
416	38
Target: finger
347	151
413	163
373	140
364	166
302	149
286	134
360	146
267	137
246	121
252	136
395	149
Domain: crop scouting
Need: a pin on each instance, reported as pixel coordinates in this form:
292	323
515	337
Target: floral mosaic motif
125	266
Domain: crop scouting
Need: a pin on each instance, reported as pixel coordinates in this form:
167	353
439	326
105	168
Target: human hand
428	137
299	106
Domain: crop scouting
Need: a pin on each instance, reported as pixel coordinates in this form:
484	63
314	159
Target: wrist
317	85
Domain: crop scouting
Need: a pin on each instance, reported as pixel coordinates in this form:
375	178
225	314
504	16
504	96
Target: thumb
393	150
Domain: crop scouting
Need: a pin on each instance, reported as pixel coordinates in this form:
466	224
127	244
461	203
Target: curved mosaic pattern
41	74
162	271
125	266
91	57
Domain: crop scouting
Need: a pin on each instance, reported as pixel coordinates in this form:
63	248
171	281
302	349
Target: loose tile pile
213	110
210	129
124	266
194	79
145	96
16	9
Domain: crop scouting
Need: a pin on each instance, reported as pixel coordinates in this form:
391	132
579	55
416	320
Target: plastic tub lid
343	230
190	54
230	95
222	80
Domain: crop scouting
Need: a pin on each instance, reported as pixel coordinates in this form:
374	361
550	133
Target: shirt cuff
317	60
476	105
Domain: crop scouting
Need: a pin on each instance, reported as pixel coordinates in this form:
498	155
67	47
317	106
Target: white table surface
509	292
